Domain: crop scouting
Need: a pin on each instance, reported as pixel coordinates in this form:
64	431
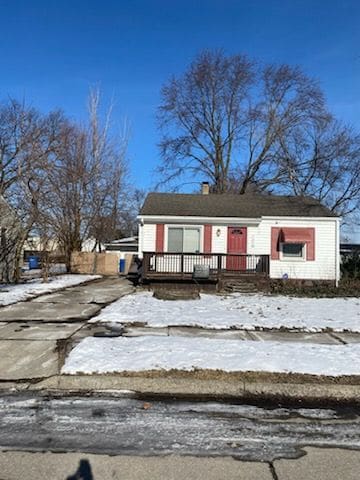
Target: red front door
237	240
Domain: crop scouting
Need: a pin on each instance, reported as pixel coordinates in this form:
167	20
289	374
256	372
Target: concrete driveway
34	334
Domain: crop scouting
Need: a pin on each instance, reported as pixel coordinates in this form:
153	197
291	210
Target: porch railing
182	264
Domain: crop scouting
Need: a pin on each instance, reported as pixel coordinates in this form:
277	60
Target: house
92	245
350	260
34	245
128	245
349	249
217	235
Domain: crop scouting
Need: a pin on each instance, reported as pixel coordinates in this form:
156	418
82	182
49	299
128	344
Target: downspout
337	253
140	247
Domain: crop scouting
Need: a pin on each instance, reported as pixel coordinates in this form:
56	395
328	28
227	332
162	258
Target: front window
293	250
175	240
183	239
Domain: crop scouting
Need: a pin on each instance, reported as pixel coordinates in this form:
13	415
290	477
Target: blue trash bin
122	265
34	262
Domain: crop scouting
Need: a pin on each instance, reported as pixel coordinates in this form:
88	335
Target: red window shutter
310	245
275	232
160	228
207	238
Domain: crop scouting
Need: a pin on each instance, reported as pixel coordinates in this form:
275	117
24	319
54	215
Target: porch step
241	286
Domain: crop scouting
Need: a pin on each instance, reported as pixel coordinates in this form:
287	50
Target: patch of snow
237	311
106	355
10	294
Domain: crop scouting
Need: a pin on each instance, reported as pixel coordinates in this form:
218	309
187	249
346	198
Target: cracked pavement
35	335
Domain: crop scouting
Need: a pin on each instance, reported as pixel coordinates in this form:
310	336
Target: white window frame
285	258
175	225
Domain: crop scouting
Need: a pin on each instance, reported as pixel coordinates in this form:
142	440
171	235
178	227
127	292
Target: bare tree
322	159
224	117
64	181
284	99
114	209
65	199
111	194
202	115
27	138
10	228
85	182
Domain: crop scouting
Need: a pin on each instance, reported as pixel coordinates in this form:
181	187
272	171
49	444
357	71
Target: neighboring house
10	233
92	245
128	245
348	249
273	236
350	260
35	246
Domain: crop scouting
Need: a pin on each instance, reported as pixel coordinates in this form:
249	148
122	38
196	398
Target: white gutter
197	219
297	218
140	240
228	220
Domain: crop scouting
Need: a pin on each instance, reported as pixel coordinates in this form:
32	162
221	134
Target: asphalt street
134	426
124	438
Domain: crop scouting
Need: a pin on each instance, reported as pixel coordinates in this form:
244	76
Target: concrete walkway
34	335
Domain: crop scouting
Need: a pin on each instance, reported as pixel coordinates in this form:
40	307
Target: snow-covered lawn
237	311
105	355
10	294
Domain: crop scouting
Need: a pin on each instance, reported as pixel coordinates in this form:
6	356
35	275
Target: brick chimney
205	188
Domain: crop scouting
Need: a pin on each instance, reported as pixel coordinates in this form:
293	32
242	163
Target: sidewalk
317	464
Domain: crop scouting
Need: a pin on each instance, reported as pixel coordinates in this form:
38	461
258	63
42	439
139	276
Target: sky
52	52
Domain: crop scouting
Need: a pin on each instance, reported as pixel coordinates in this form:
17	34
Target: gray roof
230	205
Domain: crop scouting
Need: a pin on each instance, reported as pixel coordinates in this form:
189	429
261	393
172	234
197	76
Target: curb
172	386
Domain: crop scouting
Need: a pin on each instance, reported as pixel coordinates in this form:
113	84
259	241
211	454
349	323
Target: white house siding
324	265
219	239
259	243
148	234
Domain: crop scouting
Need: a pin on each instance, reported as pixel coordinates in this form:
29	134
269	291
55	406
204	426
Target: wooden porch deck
180	266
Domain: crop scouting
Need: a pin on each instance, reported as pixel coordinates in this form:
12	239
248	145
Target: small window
293	250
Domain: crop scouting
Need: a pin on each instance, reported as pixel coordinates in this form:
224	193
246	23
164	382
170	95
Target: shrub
350	266
348	287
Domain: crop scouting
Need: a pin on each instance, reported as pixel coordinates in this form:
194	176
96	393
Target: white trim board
186	219
199	220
